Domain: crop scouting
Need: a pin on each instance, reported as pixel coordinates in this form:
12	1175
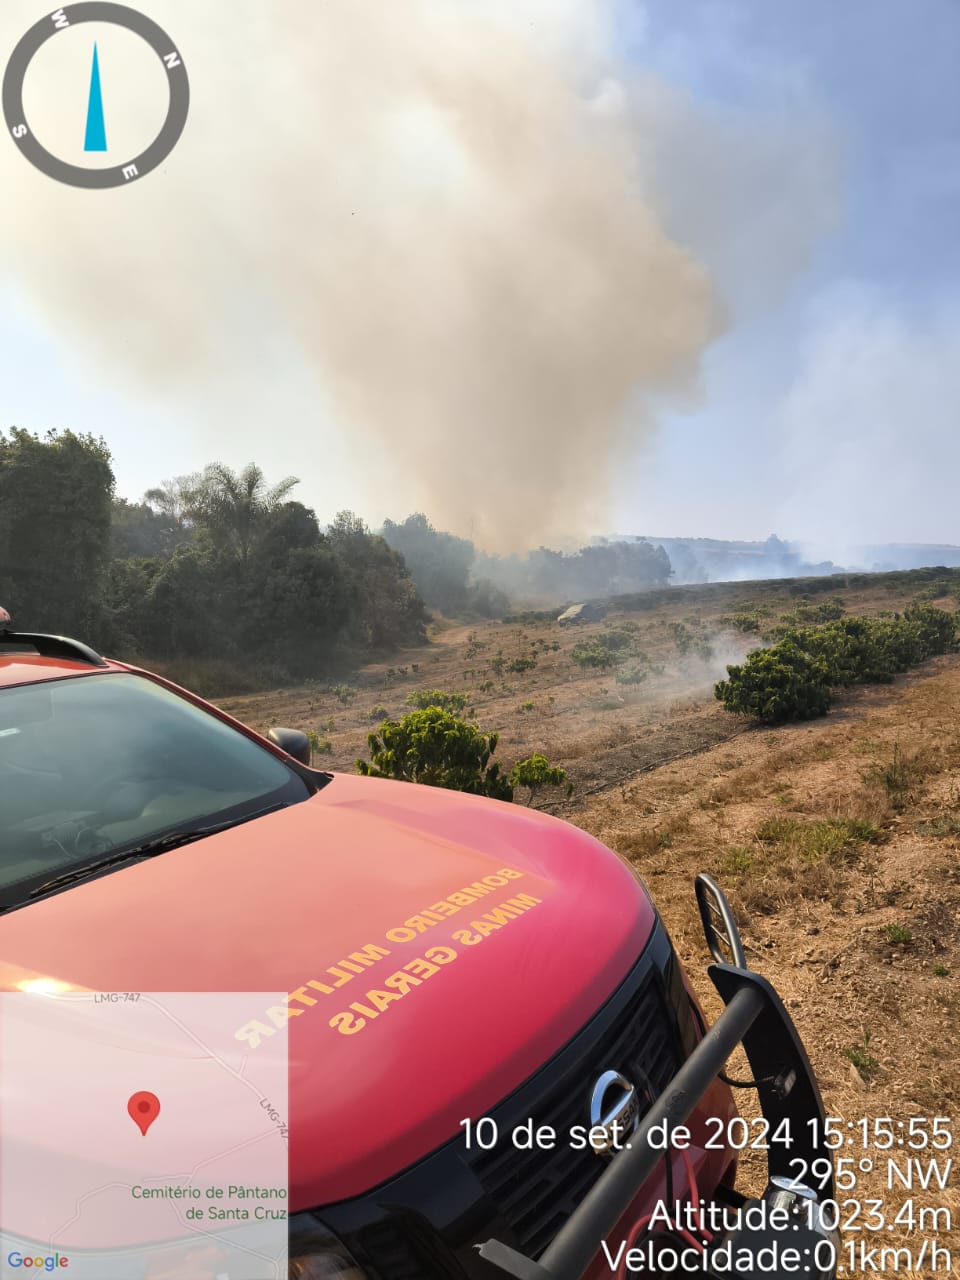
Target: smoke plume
433	204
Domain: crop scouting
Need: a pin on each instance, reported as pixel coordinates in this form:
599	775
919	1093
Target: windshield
94	765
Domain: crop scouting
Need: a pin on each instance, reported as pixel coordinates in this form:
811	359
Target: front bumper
756	1017
427	1222
546	1217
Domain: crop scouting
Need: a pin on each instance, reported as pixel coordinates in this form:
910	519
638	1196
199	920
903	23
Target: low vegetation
436	747
632	675
423	698
792	859
535	773
319	745
606	649
862	1059
794	678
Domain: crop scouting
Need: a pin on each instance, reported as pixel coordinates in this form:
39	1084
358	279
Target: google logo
49	1263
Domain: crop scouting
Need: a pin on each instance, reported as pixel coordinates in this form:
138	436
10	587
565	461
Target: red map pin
144	1108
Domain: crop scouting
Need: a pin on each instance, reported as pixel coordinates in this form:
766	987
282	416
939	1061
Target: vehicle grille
392	1252
536	1191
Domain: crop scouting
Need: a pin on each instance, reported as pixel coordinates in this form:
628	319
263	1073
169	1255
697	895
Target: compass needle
95	175
96	132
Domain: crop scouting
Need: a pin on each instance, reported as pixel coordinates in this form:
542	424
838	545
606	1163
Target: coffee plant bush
793	678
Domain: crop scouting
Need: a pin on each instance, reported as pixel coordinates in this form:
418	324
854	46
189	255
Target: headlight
317	1254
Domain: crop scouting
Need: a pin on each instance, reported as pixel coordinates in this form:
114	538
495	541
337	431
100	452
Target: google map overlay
139	1138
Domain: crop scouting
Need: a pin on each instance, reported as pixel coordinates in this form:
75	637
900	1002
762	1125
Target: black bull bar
754	1016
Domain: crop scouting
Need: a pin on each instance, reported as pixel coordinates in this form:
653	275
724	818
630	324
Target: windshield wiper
148	849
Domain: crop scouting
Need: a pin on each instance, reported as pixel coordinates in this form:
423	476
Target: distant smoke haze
448	212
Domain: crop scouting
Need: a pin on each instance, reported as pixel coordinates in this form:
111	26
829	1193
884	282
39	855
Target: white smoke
868	430
423	239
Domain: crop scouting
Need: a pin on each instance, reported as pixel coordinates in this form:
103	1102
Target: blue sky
808	156
884	281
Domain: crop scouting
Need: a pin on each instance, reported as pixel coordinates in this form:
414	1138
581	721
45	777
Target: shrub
319	746
899	934
792	679
936	628
938	828
344	693
587	653
776	685
745	622
621	636
537	772
825	611
606	649
423	698
525	662
436	748
682	637
631	675
378	712
475	644
817	586
936	591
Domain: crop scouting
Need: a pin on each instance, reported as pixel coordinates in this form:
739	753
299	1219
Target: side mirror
293	742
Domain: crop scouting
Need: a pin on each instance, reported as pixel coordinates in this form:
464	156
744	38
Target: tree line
217	564
222	564
454	577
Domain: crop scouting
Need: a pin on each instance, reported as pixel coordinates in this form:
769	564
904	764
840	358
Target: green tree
176	499
299	608
439	562
139	530
55	508
180	614
437	748
288	527
386	610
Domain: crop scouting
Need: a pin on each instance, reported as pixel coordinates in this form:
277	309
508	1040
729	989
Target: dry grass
846	883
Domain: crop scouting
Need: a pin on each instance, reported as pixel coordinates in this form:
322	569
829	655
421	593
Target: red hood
462	1012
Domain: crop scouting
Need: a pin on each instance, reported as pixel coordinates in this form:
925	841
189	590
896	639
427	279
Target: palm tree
233	505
